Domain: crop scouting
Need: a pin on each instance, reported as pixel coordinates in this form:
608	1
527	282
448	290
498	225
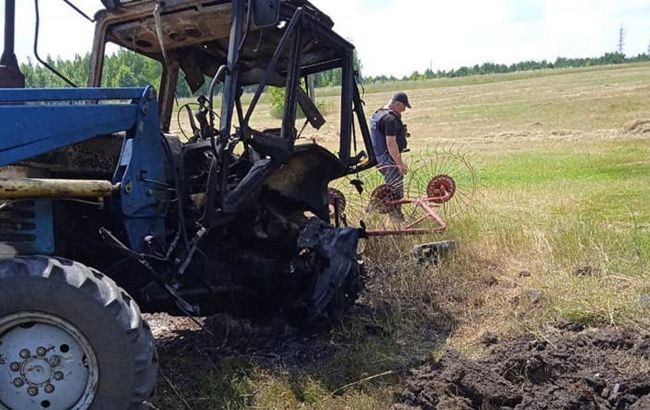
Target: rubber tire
106	315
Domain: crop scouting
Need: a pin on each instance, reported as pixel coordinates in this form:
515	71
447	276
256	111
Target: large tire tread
104	290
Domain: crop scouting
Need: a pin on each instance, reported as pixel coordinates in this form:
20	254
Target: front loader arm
62	117
37	121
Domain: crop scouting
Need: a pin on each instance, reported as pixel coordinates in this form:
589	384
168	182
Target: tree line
121	69
127	69
492	68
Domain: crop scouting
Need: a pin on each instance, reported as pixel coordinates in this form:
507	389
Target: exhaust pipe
10	75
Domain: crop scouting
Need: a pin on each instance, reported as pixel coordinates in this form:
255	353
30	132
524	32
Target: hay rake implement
440	184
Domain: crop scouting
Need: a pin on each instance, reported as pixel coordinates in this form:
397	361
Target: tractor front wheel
70	338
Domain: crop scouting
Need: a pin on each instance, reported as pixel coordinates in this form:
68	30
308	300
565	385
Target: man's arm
393	151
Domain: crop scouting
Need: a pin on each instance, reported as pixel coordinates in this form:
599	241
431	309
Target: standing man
388	135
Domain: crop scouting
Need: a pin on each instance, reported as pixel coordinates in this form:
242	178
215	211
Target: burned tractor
104	213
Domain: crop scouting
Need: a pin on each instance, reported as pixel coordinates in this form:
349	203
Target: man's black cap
402	97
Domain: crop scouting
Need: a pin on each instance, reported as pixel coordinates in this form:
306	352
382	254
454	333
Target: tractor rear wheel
70	338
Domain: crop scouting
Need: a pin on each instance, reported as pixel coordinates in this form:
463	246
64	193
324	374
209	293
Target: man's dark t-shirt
382	123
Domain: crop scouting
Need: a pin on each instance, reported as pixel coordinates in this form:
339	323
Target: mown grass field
560	231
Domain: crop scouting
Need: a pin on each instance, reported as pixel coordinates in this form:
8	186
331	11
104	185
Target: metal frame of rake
436	179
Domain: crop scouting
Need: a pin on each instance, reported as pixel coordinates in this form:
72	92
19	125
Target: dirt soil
272	343
571	368
191	354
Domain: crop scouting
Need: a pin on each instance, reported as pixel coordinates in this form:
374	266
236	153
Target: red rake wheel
445	169
441	188
342	193
336	199
381	198
374	206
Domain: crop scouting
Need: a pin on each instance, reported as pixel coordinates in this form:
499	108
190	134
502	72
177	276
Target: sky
401	36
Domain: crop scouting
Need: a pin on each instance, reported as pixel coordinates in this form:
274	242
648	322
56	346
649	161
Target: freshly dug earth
588	369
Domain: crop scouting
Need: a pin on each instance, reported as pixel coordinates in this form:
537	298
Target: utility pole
648	52
621	39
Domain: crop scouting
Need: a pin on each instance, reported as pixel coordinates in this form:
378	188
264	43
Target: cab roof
195	34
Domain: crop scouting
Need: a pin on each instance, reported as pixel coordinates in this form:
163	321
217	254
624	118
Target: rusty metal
442	187
305	176
449	167
19	188
409	228
439	185
383	199
397	232
336	199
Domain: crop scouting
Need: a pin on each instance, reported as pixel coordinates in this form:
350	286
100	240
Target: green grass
619	162
574	216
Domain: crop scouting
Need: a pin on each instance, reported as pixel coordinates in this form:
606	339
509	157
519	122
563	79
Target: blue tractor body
37	121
